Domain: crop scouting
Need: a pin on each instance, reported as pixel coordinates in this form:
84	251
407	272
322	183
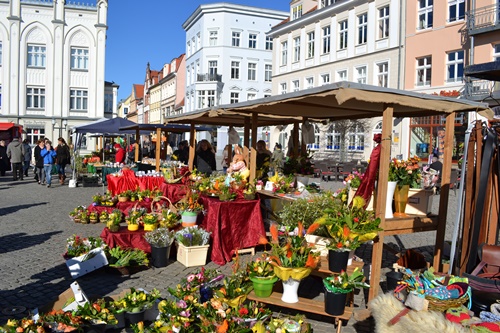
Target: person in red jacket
120	153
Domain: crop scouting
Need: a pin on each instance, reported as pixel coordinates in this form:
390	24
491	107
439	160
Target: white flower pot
391	187
290	291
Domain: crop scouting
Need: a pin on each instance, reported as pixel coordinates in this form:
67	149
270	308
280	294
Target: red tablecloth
126	239
126	206
128	181
150	183
174	192
234	225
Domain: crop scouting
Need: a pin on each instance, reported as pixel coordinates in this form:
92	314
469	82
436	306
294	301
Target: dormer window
296	12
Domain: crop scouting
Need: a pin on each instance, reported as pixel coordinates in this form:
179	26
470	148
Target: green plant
345	283
150	218
115	217
192	236
77	246
160	237
119	257
261	267
98	312
305	210
138	300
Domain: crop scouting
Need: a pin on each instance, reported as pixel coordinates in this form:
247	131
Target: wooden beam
246	140
192	143
383	178
253	152
158	148
303	148
295	136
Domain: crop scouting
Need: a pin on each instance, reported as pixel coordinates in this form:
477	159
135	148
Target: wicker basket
122	199
442	305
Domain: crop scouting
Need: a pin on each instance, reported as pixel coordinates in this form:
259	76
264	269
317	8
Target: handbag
486	276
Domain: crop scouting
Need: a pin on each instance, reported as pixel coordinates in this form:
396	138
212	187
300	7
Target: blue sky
151	31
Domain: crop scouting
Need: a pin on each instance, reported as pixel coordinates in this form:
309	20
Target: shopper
15	151
48	154
120	154
205	158
27	157
39	172
63	158
4	159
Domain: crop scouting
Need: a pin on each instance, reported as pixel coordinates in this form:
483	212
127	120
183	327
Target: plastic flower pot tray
90	181
193	255
79	266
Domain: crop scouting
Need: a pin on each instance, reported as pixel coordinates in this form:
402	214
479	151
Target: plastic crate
193	255
90	181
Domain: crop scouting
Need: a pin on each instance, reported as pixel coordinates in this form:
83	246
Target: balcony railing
481	89
207	77
483	19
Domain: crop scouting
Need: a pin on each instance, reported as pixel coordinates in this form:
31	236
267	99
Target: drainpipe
473	10
400	42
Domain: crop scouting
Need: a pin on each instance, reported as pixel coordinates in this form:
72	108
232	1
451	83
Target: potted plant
124	196
226	193
249	192
407	174
338	286
136	302
93	217
126	260
190	207
104	216
150	220
133	218
170	219
96	313
192	246
114	220
77	246
83	216
160	240
261	273
292	258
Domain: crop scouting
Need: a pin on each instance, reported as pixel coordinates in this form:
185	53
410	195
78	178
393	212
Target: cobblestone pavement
34	226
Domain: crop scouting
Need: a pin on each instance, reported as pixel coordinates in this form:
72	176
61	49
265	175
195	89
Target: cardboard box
79	266
66	301
419	201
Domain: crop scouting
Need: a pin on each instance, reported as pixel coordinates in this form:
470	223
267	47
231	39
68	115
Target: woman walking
39	173
63	157
48	154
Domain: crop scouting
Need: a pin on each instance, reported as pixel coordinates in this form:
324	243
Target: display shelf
410	224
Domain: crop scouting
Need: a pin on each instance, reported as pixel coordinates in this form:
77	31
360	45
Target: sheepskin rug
385	307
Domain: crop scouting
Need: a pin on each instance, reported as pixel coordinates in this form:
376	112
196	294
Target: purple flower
182	304
185	313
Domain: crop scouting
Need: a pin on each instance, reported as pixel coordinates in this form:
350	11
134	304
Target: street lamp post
64	124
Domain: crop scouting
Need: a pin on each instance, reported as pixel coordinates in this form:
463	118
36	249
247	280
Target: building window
309	82
125	111
362	28
36	56
361	74
235	97
383	74
310	44
296	49
296	85
383	22
79	58
193	45
342	75
211	98
108	103
251	96
456	10
235	70
425	15
1	52
35	98
236	39
78	100
325	79
252	71
424	71
342	35
283	87
332	139
326	39
315	145
35	134
269	43
188	48
201	99
356	139
213	38
268	73
296	12
284	53
252	41
496	52
198	41
455	65
212	70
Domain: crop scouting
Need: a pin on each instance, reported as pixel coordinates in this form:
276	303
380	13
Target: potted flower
348	227
99	312
292	258
190	207
133	218
114	220
93	217
77	246
104	216
338	286
150	220
126	260
249	192
226	193
406	174
261	273
83	216
124	196
170	219
160	240
136	302
192	246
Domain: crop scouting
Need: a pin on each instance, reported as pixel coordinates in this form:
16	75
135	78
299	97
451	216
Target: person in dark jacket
63	158
4	159
27	157
39	172
49	155
204	159
15	151
182	152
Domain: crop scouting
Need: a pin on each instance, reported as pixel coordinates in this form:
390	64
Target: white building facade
329	41
228	56
53	61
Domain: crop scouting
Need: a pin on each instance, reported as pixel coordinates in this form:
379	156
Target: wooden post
295	139
192	143
246	141
158	148
383	178
137	140
303	147
253	152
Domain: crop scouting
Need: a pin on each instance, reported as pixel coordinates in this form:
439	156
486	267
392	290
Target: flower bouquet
197	287
60	321
77	246
98	312
406	172
354	179
261	273
234	289
192	236
338	286
192	246
169	219
114	220
136	301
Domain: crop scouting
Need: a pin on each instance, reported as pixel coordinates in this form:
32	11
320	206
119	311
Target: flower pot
134	317
94	221
114	228
335	303
122	199
391	187
159	256
337	260
189	219
263	287
149	227
290	291
249	196
401	199
133	227
193	255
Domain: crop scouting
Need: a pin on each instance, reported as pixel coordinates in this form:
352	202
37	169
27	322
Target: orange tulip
347	231
301	229
311	261
224	327
274	232
263	240
313	228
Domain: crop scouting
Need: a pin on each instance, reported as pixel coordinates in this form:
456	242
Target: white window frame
297	12
309	82
35	98
361	74
213	37
356	139
37	56
332	139
455	66
210	98
201	99
235	70
383	74
252	71
284	53
325	79
34	137
296	49
425	14
268	72
283	87
251	96
212	67
327	30
343	32
198	41
252	41
315	146
236	39
269	43
296	85
78	100
424	71
79	58
454	9
342	75
234	97
362	28
188	48
310	44
383	22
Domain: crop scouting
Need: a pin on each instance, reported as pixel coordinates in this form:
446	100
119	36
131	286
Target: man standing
15	151
27	157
